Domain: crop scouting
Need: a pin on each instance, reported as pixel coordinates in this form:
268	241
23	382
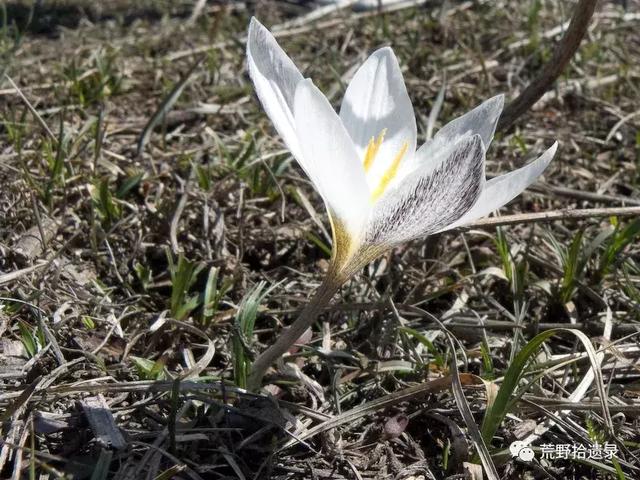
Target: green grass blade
166	105
500	407
101	472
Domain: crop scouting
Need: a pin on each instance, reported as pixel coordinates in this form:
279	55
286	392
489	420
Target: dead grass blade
166	105
205	360
12	276
437	106
394	398
23	398
33	111
580	391
553	215
465	411
503	402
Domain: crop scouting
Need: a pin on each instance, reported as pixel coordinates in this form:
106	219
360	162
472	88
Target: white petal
275	78
431	199
482	121
332	162
376	101
501	190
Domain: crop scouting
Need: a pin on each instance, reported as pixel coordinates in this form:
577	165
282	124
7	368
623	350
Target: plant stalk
550	72
290	336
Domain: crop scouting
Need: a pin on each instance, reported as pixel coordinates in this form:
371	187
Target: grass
186	237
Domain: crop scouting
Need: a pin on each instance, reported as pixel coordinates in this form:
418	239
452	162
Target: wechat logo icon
522	451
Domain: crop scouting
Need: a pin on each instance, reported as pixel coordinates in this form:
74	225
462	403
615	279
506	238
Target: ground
156	235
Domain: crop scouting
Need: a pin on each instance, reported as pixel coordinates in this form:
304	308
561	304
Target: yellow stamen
372	150
390	173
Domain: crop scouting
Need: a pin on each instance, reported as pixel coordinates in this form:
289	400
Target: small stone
395	425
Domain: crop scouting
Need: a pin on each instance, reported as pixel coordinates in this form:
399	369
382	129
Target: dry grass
129	326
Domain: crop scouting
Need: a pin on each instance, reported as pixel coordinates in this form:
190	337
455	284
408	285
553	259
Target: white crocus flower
378	188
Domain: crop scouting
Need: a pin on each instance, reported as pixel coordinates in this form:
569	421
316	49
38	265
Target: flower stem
288	338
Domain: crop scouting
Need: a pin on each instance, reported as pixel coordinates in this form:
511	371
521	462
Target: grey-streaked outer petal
482	121
275	78
501	190
430	200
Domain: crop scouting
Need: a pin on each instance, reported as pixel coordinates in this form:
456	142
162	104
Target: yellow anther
390	173
372	150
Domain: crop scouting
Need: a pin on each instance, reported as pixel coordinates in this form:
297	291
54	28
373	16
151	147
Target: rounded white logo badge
522	451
